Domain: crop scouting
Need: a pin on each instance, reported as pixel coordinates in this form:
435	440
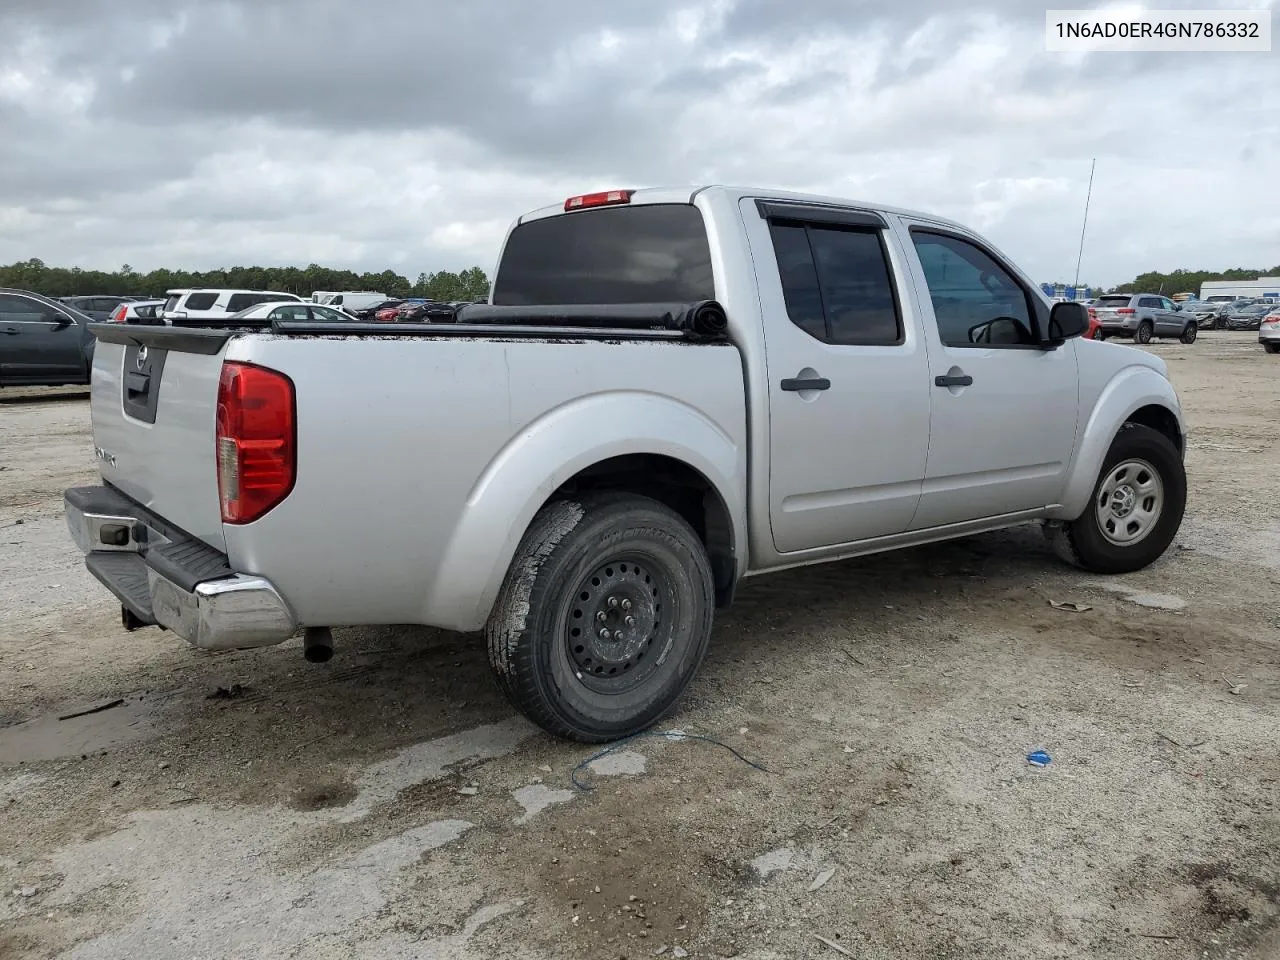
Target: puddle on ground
48	738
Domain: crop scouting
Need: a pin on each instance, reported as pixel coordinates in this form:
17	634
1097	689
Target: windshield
656	253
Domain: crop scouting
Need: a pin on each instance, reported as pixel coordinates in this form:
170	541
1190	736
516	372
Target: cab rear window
654	253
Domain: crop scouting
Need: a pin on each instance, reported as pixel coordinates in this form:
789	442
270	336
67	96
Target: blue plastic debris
1039	759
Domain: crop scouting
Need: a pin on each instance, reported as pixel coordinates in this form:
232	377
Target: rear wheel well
683	489
1160	419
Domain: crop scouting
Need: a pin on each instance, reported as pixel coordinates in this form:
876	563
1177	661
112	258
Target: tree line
1187	281
470	284
36	276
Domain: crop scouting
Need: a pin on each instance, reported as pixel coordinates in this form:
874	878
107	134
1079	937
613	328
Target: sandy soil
389	804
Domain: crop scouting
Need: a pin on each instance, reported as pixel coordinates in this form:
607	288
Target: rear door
1003	419
1172	319
848	395
35	347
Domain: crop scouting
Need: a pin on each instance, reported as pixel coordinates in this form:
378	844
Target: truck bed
400	431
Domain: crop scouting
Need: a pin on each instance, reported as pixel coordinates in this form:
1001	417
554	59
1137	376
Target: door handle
961	381
11	333
795	384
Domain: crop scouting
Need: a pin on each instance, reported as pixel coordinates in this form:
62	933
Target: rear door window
201	301
836	283
656	253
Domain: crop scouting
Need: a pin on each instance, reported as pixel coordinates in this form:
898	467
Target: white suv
215	304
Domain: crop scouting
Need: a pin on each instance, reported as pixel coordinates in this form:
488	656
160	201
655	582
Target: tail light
117	315
1126	310
604	199
256	441
1093	314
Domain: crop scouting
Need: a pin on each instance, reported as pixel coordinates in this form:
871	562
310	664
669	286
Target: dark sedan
42	342
100	307
1247	318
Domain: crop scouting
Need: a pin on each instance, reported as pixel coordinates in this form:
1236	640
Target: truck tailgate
153	401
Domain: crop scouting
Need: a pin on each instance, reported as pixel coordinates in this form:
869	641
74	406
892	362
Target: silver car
1144	316
1269	331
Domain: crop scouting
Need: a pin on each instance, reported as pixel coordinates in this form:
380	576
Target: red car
1095	326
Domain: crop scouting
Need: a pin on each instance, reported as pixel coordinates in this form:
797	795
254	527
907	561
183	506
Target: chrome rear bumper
164	578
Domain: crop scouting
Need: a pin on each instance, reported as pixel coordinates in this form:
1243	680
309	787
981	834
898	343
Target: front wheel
1144	332
1099	334
604	616
1189	334
1271	347
1136	508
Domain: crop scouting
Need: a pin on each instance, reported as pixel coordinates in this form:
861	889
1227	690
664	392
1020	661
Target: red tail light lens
1125	310
1093	314
117	315
604	199
256	441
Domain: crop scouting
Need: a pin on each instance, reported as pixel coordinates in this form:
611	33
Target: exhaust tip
317	644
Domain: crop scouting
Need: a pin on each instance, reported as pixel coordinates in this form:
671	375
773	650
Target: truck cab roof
688	194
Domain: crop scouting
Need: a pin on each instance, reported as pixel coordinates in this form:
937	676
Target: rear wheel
1189	334
1136	508
1143	335
604	617
1271	347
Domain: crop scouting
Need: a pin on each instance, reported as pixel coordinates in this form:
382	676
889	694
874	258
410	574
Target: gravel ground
389	804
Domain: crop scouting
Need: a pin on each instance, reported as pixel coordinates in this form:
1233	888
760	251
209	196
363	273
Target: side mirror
60	321
1066	320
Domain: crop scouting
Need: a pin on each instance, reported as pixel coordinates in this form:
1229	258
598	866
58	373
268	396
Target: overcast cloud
403	133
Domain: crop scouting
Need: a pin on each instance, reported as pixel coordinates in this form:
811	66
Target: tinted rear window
647	254
1113	301
201	301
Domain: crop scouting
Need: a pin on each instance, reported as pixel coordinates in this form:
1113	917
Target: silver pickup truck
670	390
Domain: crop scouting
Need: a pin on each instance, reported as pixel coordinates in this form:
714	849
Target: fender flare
1127	392
547	453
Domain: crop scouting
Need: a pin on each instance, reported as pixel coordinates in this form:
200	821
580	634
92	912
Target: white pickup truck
669	391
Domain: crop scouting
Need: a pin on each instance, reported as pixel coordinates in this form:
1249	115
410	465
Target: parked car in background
1269	331
1094	332
1207	315
433	311
215	304
369	314
42	342
1144	316
290	310
351	300
388	313
97	307
139	311
1247	317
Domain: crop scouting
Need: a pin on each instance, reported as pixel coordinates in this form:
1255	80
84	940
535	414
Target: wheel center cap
1123	500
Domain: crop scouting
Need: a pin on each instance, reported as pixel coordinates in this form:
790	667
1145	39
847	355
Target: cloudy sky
408	133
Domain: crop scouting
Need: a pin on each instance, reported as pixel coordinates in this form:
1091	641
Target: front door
34	347
848	409
1003	421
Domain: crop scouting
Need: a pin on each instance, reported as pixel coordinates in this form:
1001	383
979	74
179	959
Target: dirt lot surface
389	804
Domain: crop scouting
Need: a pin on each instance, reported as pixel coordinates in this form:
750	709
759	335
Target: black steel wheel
604	616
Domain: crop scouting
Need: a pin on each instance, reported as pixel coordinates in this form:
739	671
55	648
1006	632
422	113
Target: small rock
544	768
164	764
468	791
679	952
661	950
26	892
597	889
633	898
